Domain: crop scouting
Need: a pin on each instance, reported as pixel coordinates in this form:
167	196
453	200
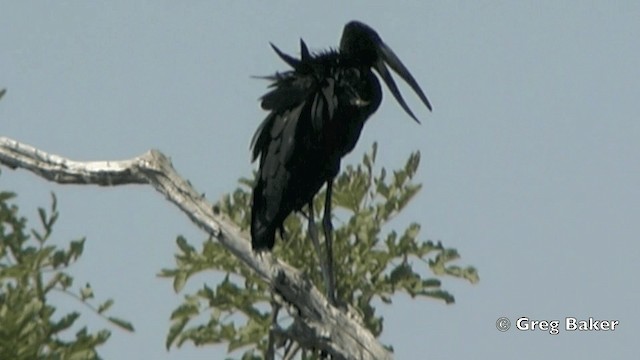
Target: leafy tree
30	269
370	263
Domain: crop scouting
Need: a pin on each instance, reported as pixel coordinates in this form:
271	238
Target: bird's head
363	44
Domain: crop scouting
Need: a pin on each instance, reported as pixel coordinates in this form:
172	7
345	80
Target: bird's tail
262	237
263	233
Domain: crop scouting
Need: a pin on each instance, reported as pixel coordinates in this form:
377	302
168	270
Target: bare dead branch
316	324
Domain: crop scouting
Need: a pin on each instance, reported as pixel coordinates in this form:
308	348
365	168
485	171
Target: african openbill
317	111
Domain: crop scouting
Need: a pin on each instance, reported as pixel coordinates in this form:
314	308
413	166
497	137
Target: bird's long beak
386	55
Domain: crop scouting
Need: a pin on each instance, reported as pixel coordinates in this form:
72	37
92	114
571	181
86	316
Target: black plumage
317	111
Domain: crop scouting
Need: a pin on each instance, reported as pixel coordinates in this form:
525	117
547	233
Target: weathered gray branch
316	324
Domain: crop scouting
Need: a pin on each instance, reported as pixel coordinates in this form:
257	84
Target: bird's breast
358	95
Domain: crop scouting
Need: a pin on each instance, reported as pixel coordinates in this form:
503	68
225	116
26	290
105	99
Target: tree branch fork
316	324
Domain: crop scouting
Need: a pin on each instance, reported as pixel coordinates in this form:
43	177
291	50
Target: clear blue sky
530	159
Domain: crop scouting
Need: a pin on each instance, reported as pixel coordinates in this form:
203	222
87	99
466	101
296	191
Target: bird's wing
299	104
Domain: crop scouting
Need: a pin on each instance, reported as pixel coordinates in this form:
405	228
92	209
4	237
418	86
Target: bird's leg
291	350
328	239
313	234
275	308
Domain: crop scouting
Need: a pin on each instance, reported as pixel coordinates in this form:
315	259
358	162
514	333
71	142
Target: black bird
317	111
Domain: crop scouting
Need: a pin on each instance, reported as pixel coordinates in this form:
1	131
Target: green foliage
30	270
369	263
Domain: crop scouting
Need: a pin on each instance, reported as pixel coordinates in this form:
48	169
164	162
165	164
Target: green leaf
184	246
179	280
186	310
65	323
123	324
175	330
76	248
441	295
43	217
105	306
6	196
